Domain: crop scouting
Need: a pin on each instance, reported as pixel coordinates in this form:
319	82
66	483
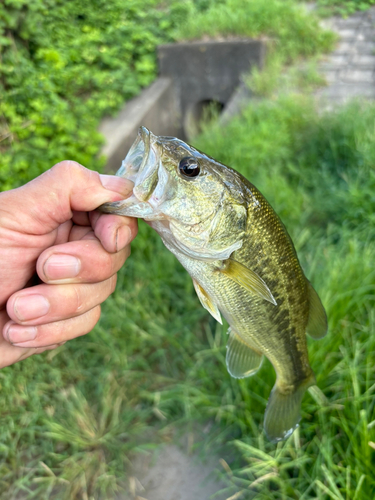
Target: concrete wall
204	71
190	74
156	107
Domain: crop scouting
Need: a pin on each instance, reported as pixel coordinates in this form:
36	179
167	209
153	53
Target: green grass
291	32
72	419
283	23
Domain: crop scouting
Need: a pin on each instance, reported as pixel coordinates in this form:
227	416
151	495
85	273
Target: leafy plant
63	66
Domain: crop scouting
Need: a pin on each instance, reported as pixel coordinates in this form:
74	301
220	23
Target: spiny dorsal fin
242	361
206	302
317	323
248	279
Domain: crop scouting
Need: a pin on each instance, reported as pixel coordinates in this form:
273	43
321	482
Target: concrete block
346	91
347	34
208	71
331	76
349	23
363	61
236	103
344	48
338	60
365	47
357	76
156	107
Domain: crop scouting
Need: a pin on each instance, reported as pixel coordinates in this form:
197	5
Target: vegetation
289	26
66	64
292	33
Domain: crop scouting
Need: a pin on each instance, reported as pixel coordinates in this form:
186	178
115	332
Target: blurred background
297	119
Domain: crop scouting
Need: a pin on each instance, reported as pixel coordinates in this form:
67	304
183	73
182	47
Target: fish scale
241	259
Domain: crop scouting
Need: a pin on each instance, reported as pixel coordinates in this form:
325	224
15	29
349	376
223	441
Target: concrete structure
192	75
350	68
207	72
156	108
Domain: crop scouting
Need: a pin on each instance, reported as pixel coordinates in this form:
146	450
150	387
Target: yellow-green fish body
241	259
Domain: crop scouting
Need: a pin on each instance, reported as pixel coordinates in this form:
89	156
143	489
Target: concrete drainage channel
192	78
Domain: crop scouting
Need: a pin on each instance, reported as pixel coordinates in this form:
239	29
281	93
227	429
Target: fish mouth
137	157
143	167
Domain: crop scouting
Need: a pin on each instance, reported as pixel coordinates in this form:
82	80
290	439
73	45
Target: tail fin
283	411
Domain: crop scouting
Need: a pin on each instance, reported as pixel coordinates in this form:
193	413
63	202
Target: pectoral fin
317	322
206	302
242	361
248	279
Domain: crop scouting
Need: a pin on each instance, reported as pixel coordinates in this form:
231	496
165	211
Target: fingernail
117	184
18	333
31	307
123	237
60	266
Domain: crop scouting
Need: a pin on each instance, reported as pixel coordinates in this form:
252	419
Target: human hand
49	229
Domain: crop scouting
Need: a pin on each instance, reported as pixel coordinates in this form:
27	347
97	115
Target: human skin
58	257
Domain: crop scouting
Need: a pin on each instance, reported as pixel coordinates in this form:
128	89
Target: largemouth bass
241	259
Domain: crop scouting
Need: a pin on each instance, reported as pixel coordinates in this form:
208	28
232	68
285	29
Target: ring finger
49	303
51	334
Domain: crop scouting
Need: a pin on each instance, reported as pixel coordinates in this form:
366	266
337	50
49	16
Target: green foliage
286	24
290	30
64	65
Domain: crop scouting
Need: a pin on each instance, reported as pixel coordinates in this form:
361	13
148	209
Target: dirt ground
171	474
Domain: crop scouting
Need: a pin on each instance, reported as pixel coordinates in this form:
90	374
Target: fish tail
283	409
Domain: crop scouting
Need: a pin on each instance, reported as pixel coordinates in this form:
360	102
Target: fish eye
189	167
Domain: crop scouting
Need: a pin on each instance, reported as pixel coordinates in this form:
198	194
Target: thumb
49	200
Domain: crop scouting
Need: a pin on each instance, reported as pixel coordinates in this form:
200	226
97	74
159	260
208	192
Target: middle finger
83	261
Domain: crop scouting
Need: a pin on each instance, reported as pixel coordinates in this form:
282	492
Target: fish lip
137	156
141	165
144	134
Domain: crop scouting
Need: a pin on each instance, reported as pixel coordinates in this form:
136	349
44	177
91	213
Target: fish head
195	203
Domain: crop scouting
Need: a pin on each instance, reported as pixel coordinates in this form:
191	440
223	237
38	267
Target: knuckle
77	301
133	224
112	283
95	316
66	167
107	264
98	313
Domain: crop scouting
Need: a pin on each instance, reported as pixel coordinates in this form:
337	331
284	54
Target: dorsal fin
317	323
242	361
247	278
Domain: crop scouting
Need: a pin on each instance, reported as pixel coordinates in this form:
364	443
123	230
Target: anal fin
207	302
242	361
317	323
